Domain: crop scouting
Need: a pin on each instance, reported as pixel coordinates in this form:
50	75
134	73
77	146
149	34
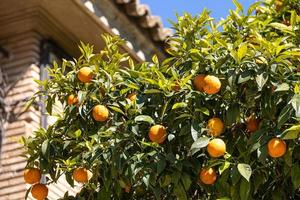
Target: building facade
35	32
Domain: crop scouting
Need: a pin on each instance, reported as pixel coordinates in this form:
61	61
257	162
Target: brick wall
21	69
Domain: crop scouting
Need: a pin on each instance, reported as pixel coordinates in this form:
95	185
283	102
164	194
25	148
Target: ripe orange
157	133
215	126
212	84
276	147
252	123
39	191
32	175
131	96
80	175
208	176
198	82
100	113
72	99
85	74
216	148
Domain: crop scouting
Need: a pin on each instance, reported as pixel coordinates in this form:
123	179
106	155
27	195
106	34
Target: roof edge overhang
48	19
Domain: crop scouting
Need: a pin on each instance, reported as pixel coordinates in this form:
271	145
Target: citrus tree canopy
218	119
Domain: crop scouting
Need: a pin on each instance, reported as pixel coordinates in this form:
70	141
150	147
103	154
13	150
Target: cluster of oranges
208	84
33	176
39	191
100	113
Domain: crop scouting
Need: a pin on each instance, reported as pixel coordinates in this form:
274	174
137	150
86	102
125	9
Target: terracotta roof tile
145	19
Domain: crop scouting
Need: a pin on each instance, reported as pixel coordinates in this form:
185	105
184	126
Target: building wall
21	68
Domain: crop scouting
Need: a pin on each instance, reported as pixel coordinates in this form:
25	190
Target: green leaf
77	133
232	114
166	181
244	76
69	179
245	170
238	5
195	131
293	19
186	181
49	105
203	110
253	7
155	59
179	105
152	91
180	192
242	51
261	80
244	189
282	87
295	175
161	165
81	96
117	109
144	118
29	103
283	28
296	104
284	115
200	143
195	54
291	135
224	166
45	147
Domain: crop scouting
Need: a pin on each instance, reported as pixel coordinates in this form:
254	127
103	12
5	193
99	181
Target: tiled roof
145	19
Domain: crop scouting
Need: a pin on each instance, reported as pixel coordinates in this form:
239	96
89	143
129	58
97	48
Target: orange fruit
100	113
276	147
80	175
32	175
252	123
39	191
212	84
216	148
157	133
131	96
215	126
198	82
85	74
208	176
72	99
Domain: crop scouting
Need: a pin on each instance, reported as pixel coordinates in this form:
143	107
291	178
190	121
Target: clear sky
167	9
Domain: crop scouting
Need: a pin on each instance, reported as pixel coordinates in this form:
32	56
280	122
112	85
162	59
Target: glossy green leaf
144	118
245	170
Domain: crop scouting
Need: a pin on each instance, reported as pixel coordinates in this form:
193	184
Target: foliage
254	55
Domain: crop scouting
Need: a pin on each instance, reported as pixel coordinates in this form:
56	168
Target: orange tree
218	119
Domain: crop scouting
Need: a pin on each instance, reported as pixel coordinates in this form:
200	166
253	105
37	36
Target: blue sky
167	8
